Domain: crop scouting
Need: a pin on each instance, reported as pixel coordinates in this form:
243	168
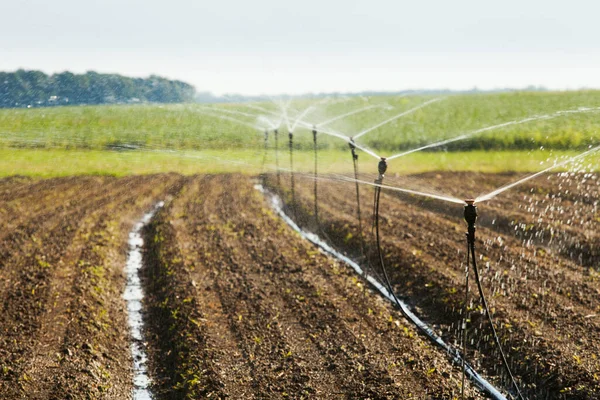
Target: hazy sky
277	46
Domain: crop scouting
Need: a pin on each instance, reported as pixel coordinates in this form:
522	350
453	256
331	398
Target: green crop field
61	162
192	138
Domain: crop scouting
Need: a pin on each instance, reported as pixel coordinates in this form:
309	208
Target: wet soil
537	247
63	327
243	307
238	305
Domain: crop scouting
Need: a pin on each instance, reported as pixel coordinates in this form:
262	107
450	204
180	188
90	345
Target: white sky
278	46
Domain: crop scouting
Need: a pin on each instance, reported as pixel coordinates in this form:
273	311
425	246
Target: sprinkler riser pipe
276	132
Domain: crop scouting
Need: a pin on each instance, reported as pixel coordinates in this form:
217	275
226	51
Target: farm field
239	305
63	325
48	163
240	126
247	309
503	132
540	275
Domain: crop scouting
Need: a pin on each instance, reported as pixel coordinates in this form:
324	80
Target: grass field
60	162
79	140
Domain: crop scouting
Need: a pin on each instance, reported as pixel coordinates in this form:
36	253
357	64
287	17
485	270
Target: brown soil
538	251
242	307
63	327
239	306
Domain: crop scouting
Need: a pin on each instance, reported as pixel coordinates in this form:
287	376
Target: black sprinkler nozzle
471	218
353	149
382	166
290	135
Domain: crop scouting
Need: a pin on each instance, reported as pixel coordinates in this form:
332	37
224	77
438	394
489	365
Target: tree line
36	89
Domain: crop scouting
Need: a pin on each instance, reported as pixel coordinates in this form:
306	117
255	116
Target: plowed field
63	325
244	308
238	305
538	254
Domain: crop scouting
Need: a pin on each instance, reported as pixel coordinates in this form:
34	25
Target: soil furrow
529	290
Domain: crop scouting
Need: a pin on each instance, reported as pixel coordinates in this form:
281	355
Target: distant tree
34	88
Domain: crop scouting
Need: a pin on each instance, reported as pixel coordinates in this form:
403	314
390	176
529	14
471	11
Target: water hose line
382	168
292	183
316	193
277	158
470	214
470	217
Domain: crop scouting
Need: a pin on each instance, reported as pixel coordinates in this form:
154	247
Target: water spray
470	215
494	127
402	114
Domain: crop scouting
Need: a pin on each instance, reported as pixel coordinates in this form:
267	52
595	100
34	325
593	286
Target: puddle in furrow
134	296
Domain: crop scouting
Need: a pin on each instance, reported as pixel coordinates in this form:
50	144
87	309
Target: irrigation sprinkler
292	185
358	211
316	194
264	160
382	168
276	132
470	215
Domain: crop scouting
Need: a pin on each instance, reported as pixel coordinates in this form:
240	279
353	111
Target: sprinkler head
382	166
353	149
290	135
470	212
471	217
